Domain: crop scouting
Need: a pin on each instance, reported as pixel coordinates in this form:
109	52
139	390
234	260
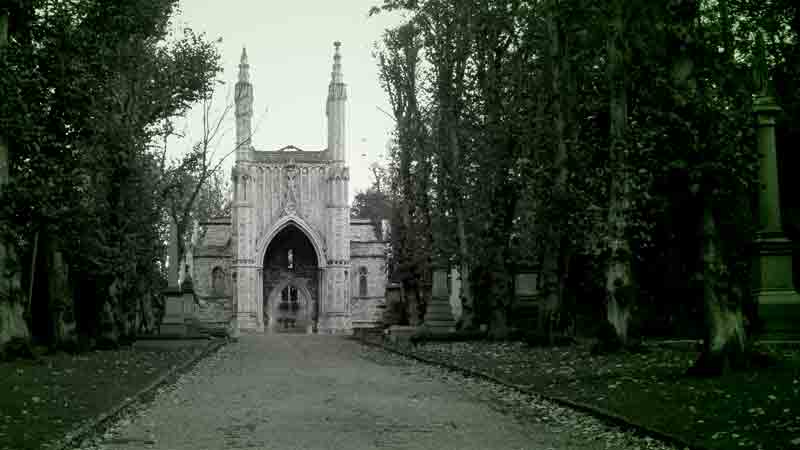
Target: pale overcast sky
290	50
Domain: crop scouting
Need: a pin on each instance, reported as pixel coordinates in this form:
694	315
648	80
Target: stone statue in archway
291	191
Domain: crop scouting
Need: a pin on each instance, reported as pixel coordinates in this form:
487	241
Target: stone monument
439	314
526	308
773	286
178	300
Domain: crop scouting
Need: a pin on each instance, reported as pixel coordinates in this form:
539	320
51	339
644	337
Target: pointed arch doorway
291	283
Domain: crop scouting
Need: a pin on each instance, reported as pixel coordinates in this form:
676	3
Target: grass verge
759	409
46	398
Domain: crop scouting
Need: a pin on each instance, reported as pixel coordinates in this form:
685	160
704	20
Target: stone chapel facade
290	258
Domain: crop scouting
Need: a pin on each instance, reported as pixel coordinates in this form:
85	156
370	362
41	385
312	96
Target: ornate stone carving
290	202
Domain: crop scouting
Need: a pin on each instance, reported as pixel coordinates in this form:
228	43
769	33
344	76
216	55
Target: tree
373	203
411	166
619	278
192	187
11	304
612	143
87	84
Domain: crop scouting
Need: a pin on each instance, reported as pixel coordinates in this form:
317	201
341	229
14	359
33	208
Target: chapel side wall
202	278
368	255
214	307
210	253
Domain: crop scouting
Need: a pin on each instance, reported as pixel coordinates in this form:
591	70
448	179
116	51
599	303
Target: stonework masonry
290	258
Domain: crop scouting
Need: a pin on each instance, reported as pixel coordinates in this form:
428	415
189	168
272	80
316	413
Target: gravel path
322	392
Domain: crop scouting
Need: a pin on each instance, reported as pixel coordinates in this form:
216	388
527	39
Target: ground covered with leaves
45	398
759	409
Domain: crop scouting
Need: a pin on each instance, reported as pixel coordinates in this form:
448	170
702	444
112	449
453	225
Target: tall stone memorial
178	300
773	286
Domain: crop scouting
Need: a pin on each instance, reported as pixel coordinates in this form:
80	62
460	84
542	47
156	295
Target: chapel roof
290	153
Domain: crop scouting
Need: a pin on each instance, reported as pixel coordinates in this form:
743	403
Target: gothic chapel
290	258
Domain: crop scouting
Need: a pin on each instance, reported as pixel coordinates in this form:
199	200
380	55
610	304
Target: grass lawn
759	409
42	400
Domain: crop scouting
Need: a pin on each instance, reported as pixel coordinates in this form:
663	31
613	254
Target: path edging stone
76	436
594	411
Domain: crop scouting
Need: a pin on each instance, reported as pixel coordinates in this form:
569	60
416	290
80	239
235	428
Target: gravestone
394	310
395	315
439	314
525	310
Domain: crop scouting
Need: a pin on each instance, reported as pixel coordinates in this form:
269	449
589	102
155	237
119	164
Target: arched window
218	281
362	282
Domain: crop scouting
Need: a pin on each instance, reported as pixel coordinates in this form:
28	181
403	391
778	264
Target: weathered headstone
439	314
525	310
526	285
393	308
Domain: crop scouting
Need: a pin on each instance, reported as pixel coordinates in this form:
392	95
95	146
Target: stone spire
244	68
335	110
336	74
244	109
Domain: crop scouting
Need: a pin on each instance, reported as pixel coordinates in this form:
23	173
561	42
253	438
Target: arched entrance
291	279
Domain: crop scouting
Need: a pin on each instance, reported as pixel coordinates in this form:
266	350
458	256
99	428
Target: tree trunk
619	279
502	280
471	319
46	268
724	343
34	255
12	321
564	313
469	314
500	288
551	273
